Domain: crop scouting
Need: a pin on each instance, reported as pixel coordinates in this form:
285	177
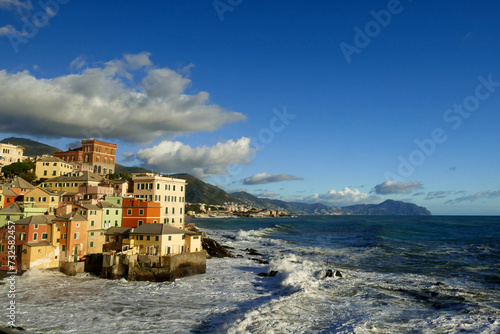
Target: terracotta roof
70	216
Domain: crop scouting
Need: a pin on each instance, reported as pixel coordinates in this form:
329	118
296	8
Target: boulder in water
214	249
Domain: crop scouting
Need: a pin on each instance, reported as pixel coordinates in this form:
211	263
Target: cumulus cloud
264	178
476	196
343	197
396	187
120	99
174	156
267	194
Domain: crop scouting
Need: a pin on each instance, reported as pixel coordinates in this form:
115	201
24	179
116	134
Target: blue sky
341	102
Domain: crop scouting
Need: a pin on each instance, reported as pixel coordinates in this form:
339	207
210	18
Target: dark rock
329	273
262	274
260	261
440	284
214	249
227	247
337	273
273	273
229	237
254	253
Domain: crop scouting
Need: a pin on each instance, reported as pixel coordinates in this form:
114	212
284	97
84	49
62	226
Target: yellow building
43	198
70	183
10	153
168	191
50	167
162	239
39	255
95	233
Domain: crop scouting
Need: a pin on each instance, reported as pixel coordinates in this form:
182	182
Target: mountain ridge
198	191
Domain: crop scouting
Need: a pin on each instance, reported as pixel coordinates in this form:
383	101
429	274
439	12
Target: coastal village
77	217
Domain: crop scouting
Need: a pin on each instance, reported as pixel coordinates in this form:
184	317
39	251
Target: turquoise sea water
399	275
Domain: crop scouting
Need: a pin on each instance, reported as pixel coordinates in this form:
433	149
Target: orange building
99	154
137	212
73	236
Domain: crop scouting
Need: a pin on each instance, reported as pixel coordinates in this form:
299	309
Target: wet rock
214	249
253	252
229	237
329	273
260	261
440	284
338	274
273	273
262	274
227	247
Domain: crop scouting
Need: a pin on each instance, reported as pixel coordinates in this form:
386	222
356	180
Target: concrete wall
153	268
72	268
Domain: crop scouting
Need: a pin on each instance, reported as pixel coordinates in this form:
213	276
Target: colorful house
72	182
137	212
19	210
111	215
73	239
43	198
49	167
32	230
163	239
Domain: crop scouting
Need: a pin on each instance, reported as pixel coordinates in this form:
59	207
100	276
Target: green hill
32	148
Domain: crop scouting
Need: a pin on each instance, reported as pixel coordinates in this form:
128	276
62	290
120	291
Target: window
63	248
141	212
36	226
182	188
64	236
181	220
166	210
180	211
44	173
155	222
92	223
44	236
116	212
2	248
129	212
148	238
157	238
183	236
77	235
54	173
91	234
173	210
22	236
169	238
91	244
107	212
173	188
140	223
35	236
158	186
77	224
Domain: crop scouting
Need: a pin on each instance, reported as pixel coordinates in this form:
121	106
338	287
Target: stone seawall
153	268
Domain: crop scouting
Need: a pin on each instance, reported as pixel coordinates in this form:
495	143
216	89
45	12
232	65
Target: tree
18	168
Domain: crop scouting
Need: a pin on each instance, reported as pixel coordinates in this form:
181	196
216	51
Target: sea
429	274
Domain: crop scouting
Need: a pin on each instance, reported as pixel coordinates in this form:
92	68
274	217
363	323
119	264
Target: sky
339	102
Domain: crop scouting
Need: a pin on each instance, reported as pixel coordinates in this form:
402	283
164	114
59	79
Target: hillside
387	208
33	148
130	170
198	191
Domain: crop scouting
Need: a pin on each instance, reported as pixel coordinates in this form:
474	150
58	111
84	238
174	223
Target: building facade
137	212
99	154
48	167
10	153
168	191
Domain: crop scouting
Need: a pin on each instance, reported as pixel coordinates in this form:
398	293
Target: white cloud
476	196
172	157
343	197
267	194
264	178
78	63
9	29
111	101
127	157
396	187
8	4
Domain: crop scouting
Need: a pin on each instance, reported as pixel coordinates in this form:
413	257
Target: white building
10	153
167	191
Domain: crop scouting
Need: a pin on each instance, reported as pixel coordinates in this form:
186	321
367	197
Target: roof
38	219
157	229
118	230
50	159
14	207
70	216
19	182
81	176
38	244
104	204
9	192
90	206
